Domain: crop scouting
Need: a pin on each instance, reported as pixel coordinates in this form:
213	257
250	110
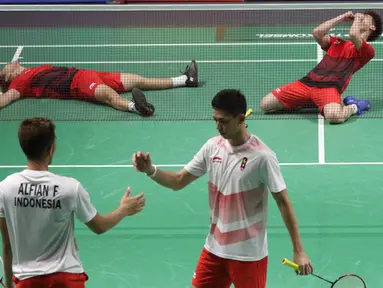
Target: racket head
349	281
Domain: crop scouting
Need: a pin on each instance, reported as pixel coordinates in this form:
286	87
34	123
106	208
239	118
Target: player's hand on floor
142	162
132	205
305	267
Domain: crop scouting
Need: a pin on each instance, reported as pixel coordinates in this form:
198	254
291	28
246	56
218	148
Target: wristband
154	173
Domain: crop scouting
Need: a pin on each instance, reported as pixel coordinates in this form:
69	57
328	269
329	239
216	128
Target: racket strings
345	281
349	281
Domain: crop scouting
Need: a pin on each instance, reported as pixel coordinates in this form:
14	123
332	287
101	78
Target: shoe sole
142	106
194	74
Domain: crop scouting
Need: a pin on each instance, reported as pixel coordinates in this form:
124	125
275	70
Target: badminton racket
344	281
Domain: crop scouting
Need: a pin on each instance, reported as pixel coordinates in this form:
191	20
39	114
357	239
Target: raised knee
334	117
266	104
263	105
333	113
270	103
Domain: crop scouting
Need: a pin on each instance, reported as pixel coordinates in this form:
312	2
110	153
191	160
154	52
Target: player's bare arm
6	253
172	180
9	97
320	33
356	36
169	179
286	208
128	206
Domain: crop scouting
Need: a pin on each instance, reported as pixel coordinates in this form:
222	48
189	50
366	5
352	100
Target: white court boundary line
17	54
302	164
321	148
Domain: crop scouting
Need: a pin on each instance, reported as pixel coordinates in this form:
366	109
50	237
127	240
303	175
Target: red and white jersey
240	179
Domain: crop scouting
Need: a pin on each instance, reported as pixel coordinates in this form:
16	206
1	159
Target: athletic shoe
191	72
363	105
142	106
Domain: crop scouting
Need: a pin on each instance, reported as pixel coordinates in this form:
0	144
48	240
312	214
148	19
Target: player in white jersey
37	214
242	171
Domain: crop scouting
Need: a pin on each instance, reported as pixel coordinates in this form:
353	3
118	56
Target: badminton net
252	47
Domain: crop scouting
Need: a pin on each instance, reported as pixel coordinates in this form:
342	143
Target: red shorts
85	83
297	94
57	280
216	272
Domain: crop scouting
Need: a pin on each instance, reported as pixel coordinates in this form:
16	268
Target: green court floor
333	172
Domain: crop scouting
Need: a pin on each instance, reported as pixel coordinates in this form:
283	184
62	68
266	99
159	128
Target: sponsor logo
243	163
217	159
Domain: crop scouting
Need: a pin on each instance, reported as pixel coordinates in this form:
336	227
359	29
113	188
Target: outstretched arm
99	224
172	180
320	33
9	97
129	206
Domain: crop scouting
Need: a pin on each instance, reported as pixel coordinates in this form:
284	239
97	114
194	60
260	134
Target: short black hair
377	23
231	101
4	85
36	137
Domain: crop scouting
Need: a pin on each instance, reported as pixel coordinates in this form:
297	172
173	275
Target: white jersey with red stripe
240	179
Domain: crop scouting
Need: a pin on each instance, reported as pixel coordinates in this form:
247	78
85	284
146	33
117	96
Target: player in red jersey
324	84
48	81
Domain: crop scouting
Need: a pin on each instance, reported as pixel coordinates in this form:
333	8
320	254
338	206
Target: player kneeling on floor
324	84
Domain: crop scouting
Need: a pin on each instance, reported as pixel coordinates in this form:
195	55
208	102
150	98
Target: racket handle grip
291	264
249	112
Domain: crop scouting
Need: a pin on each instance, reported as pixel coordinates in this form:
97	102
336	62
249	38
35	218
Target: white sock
132	107
179	81
354	108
